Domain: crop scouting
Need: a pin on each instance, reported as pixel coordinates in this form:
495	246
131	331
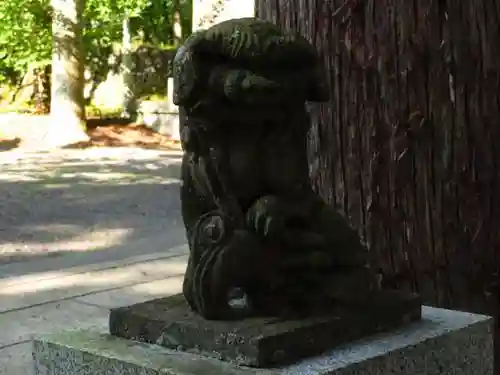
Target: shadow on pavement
86	201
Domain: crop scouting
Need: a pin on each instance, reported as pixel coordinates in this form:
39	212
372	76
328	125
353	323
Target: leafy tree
158	29
103	28
26	35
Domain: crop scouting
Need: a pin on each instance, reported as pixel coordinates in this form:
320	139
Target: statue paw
265	217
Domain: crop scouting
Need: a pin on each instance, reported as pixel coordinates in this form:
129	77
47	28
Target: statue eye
214	229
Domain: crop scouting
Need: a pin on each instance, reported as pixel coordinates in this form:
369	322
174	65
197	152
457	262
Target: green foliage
158	29
25	33
103	22
25	29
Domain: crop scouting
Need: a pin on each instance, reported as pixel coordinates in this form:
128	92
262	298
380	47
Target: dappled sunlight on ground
95	240
49	132
75	200
99	165
41	131
81	283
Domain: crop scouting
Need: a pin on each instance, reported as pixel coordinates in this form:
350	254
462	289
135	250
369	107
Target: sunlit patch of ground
80	241
127	136
74	200
57	168
39	131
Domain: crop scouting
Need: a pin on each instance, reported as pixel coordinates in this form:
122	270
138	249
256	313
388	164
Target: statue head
247	61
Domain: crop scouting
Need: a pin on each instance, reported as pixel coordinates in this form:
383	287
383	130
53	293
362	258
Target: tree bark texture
129	99
409	144
67	100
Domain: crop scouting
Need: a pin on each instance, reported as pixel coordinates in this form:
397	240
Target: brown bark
408	145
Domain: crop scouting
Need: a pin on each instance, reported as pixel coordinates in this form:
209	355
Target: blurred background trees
26	34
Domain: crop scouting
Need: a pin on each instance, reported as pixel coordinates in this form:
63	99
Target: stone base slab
443	342
262	341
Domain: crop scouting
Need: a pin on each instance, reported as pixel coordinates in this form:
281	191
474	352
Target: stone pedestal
266	341
443	342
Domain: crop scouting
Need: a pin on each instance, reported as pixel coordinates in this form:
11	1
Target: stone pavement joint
22	295
83	231
49	310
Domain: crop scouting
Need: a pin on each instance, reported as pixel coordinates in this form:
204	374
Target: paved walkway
64	202
80	297
82	231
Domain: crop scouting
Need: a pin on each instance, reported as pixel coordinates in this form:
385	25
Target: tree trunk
67	84
408	146
129	106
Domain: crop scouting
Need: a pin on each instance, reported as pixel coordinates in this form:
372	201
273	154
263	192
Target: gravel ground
65	201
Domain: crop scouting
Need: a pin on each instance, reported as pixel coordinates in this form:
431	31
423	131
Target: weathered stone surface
260	342
255	225
443	342
85	352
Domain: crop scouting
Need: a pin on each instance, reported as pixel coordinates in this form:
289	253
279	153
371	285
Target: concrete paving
24	291
75	207
82	231
79	297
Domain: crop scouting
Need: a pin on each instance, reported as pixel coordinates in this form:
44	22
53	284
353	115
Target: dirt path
71	201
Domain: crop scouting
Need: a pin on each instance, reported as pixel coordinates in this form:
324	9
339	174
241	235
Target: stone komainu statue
256	230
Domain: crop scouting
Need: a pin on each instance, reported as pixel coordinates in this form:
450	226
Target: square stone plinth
444	342
260	342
